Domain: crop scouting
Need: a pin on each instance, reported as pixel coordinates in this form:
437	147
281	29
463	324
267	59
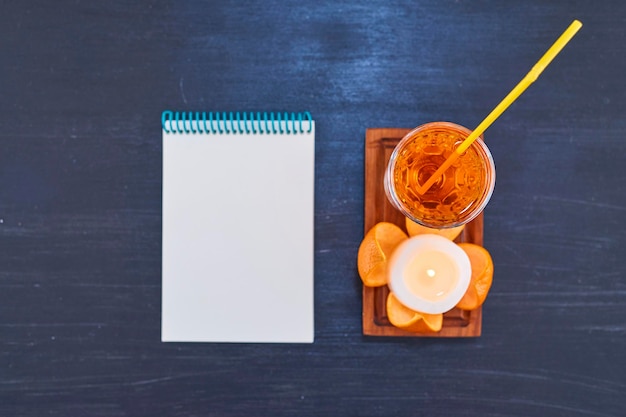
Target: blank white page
238	237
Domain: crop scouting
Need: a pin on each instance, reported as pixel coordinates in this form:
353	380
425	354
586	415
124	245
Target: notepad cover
237	257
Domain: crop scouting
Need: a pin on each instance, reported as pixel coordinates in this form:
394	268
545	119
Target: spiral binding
237	122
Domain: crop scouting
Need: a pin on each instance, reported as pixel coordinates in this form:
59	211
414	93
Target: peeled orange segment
415	229
482	276
375	249
413	321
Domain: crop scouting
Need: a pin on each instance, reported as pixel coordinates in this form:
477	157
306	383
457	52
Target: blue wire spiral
236	123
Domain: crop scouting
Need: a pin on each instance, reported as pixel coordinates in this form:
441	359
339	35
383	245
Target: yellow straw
505	103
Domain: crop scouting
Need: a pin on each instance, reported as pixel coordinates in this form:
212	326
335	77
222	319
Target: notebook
237	259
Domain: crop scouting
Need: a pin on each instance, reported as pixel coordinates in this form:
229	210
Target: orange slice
375	249
413	321
482	276
415	229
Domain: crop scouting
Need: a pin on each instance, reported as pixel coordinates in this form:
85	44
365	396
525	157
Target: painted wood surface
82	88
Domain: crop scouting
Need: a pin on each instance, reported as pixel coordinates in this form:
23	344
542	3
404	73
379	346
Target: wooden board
379	143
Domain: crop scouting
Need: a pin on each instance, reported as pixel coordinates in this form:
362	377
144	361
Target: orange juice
459	195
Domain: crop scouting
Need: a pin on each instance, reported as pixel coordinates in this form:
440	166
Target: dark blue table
82	87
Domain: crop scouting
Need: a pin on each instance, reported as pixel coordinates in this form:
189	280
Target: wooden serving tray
379	143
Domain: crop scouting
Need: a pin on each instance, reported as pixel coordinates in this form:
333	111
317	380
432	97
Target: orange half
415	229
482	276
413	321
374	251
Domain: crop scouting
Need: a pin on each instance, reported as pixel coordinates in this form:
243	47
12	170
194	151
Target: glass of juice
459	195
